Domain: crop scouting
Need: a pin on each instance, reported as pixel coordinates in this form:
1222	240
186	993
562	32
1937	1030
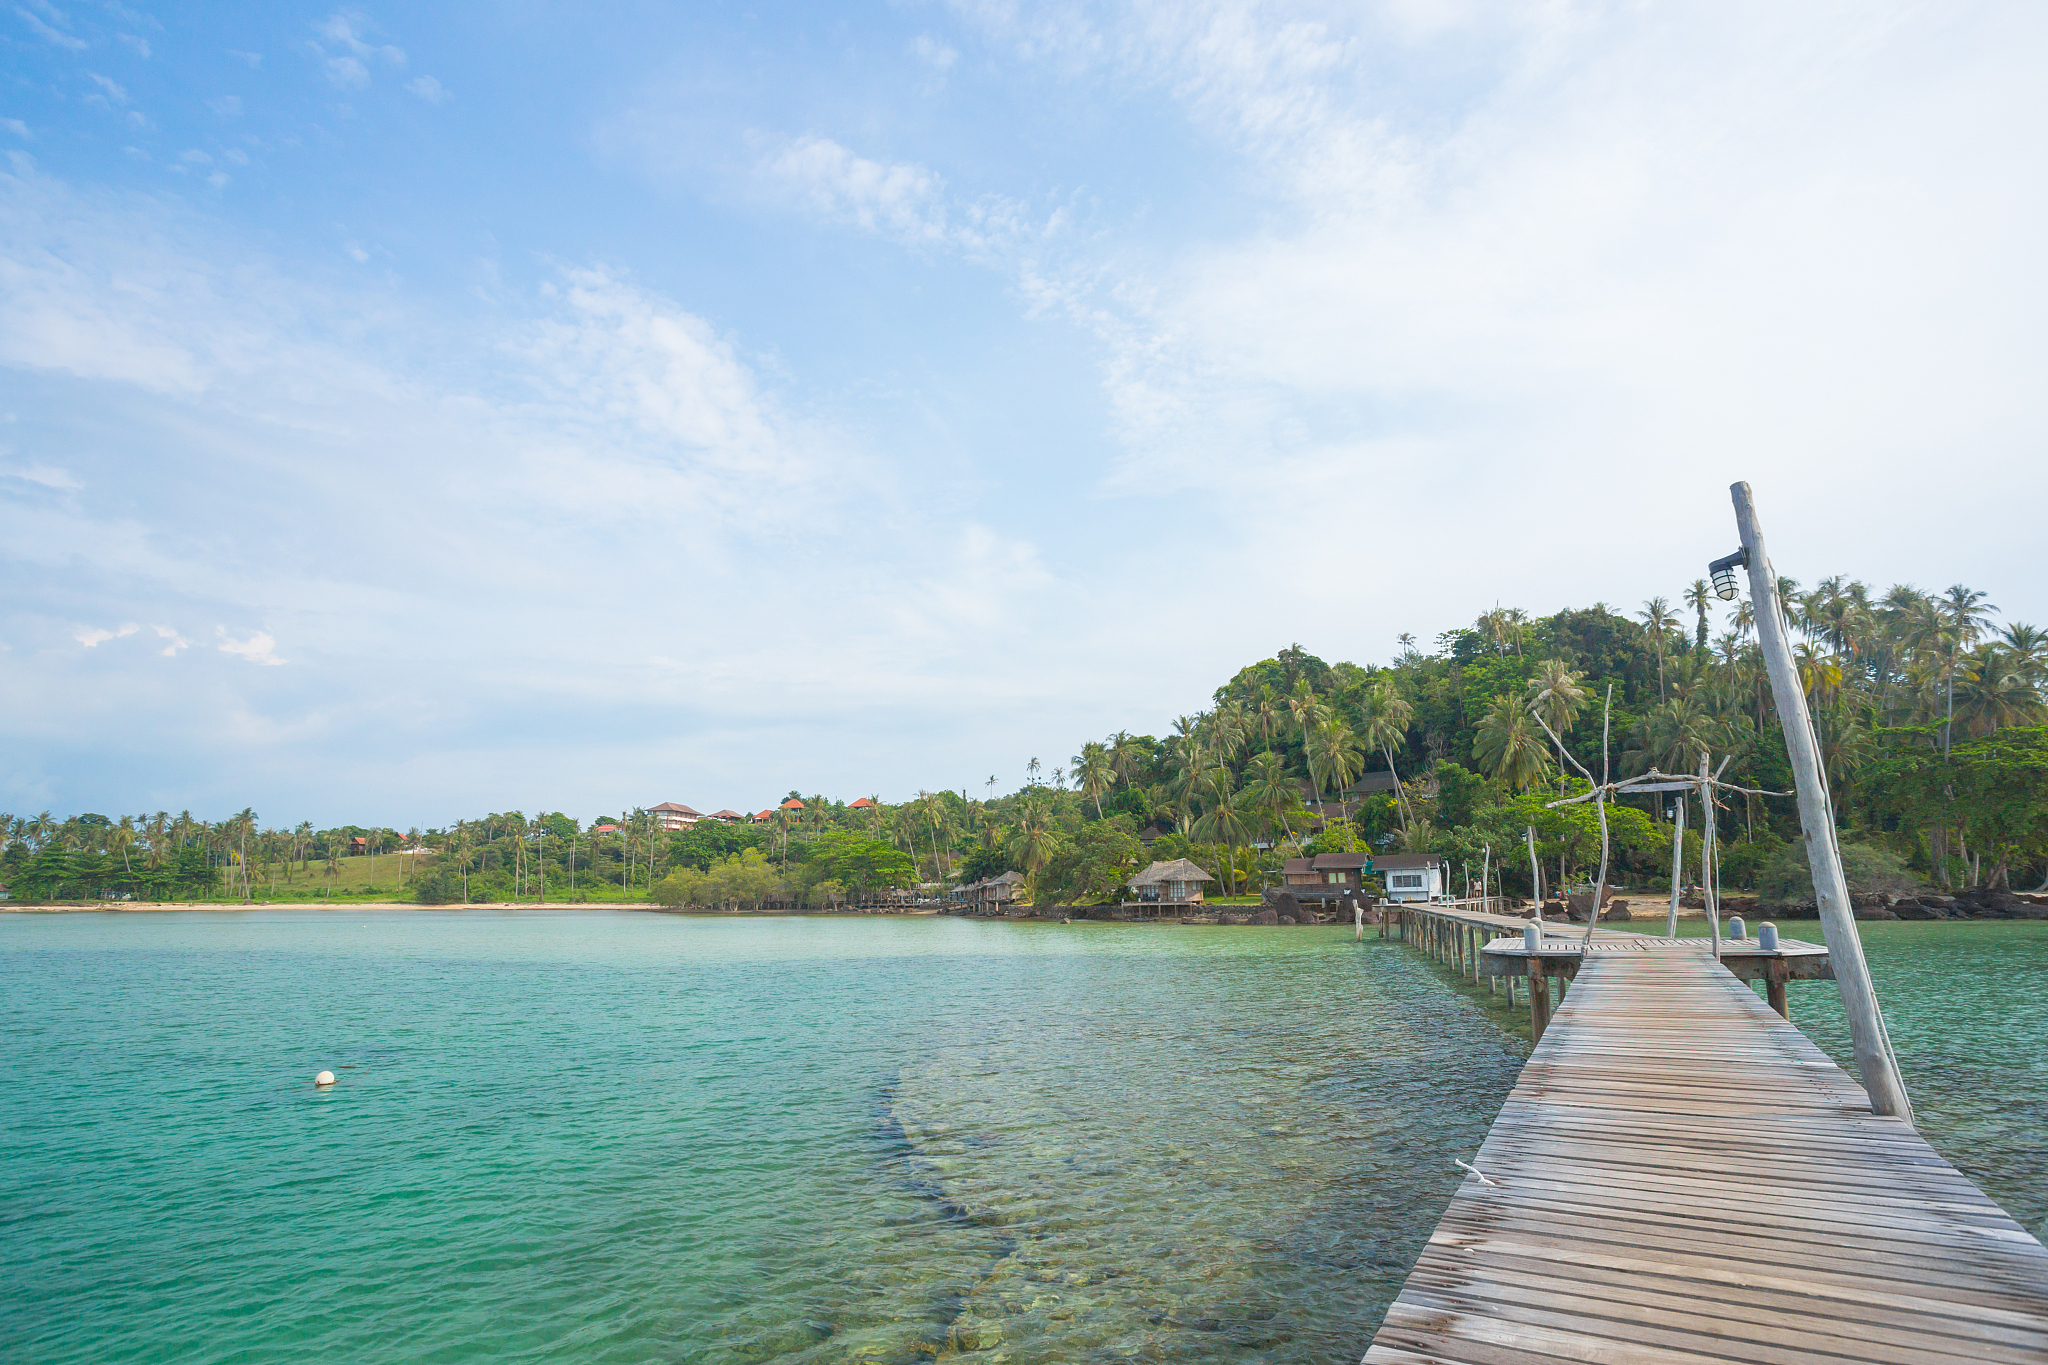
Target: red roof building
672	815
862	803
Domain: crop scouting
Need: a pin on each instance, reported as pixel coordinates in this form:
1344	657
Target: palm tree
1095	770
1032	844
1698	596
1334	760
1387	715
1272	788
1555	695
1657	623
1509	745
1996	693
1965	613
1224	823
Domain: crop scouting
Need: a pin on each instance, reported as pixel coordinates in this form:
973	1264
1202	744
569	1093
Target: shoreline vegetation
1933	726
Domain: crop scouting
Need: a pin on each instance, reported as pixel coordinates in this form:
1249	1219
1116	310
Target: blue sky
406	414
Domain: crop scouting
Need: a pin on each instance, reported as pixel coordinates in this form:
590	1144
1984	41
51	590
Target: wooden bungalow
990	894
1168	886
1327	878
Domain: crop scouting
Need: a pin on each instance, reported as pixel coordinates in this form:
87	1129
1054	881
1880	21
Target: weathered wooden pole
1677	869
1539	1000
1535	876
1874	1059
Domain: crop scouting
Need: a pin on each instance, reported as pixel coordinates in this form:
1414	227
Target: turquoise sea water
621	1137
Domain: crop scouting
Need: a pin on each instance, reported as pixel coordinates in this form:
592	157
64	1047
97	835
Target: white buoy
325	1078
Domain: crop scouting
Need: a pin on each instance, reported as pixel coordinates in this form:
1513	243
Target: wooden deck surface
1683	1177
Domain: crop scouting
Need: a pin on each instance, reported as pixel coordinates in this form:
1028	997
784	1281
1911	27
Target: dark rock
1267	916
1616	910
1283	903
1929	898
1289	919
1739	905
1871	911
1913	909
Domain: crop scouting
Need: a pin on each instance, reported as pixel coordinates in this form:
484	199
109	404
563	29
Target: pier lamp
1723	570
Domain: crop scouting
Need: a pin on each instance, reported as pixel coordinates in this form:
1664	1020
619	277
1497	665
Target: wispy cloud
139	45
16	127
177	641
934	52
109	87
90	636
901	200
259	648
227	106
46	30
429	89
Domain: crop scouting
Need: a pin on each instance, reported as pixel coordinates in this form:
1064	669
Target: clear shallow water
620	1137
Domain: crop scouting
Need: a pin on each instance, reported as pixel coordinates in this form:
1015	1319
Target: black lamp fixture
1723	570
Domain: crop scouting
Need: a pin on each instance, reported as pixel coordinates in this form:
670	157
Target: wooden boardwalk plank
1682	1177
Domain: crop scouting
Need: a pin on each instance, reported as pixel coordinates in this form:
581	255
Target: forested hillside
1931	722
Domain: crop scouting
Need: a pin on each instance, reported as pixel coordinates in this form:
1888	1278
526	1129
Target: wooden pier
1680	1177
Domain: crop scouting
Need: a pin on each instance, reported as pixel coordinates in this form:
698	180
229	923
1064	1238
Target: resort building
991	893
1411	876
726	817
672	815
1163	886
1327	877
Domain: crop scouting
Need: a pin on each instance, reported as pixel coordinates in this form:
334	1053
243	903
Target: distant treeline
1931	724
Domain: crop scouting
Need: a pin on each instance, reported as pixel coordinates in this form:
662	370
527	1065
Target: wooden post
1677	869
1775	973
1874	1059
1535	876
1539	1000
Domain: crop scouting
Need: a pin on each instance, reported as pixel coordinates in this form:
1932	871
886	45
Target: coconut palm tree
1095	770
1555	695
1698	597
1272	789
1334	760
1996	692
1225	823
1657	623
1387	715
1509	745
1965	614
1032	842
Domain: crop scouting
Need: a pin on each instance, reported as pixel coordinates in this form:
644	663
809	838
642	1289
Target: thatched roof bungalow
1177	882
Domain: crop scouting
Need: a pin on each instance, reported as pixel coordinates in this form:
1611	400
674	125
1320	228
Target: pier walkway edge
1680	1176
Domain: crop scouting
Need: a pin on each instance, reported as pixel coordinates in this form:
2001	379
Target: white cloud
346	73
257	649
46	32
934	52
900	200
47	475
16	127
112	88
347	28
90	636
250	59
177	641
140	45
227	106
430	90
